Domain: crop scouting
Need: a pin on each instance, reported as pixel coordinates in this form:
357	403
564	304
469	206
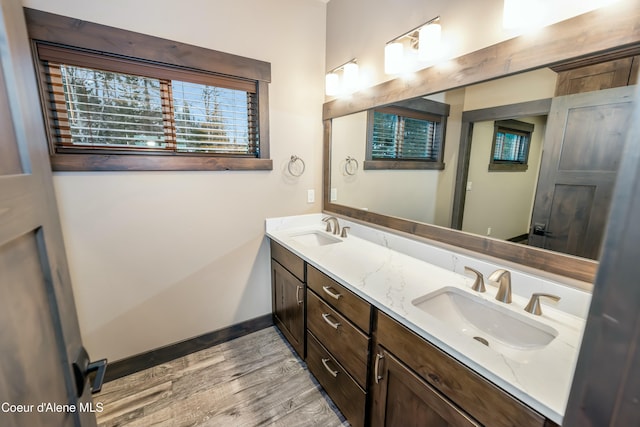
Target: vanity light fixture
406	52
343	80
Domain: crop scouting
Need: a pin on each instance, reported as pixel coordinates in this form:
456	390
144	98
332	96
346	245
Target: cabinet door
605	75
288	305
401	398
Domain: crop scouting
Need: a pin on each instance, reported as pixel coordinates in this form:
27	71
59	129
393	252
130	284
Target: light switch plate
311	196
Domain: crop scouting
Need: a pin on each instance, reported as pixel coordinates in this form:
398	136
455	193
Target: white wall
361	28
159	257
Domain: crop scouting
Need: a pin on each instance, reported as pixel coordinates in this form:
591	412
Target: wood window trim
421	109
505	166
50	32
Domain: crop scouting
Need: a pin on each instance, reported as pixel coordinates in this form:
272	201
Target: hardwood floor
255	380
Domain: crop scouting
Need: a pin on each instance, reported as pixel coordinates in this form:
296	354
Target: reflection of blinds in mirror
399	137
511	147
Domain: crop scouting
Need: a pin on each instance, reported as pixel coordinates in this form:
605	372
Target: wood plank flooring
255	380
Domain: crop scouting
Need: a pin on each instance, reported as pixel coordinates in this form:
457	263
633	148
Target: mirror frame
606	32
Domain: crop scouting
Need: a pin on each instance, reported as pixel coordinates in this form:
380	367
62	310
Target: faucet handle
328	228
534	303
344	231
478	284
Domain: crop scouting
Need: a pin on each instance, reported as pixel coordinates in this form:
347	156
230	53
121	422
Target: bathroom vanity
389	325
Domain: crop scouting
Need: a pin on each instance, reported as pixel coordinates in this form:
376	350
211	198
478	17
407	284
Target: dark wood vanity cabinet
437	385
402	398
338	328
396	378
288	293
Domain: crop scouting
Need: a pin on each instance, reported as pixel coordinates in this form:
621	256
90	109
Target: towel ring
349	168
291	166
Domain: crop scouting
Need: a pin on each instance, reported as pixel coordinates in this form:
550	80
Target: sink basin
489	323
315	238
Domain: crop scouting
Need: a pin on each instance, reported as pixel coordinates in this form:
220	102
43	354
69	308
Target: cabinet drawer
481	399
345	342
343	300
342	389
288	260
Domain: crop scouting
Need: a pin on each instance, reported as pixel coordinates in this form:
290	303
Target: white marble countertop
391	280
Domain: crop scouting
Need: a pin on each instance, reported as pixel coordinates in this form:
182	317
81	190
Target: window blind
210	119
91	109
511	146
105	109
398	137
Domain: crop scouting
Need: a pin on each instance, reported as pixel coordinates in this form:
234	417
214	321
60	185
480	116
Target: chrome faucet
503	279
336	225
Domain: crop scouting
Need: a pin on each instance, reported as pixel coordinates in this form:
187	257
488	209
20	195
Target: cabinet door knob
334	325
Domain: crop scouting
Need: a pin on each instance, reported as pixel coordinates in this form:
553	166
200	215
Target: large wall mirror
528	174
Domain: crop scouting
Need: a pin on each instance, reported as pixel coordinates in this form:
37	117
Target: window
510	149
400	137
111	111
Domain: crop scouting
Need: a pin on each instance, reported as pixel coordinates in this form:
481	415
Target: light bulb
393	58
332	84
350	79
429	42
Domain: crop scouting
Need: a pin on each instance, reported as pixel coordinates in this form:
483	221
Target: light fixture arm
341	66
414	30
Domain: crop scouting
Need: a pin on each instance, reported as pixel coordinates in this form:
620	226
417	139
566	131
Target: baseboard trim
149	359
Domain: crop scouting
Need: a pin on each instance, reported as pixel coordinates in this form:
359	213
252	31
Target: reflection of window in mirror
510	149
406	138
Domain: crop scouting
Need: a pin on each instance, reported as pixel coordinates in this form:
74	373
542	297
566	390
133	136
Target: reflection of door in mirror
583	149
582	143
498	203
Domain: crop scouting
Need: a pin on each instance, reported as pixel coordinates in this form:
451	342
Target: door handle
82	369
540	229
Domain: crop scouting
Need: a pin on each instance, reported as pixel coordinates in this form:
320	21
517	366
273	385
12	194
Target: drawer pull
333	373
298	289
328	290
377	367
334	325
